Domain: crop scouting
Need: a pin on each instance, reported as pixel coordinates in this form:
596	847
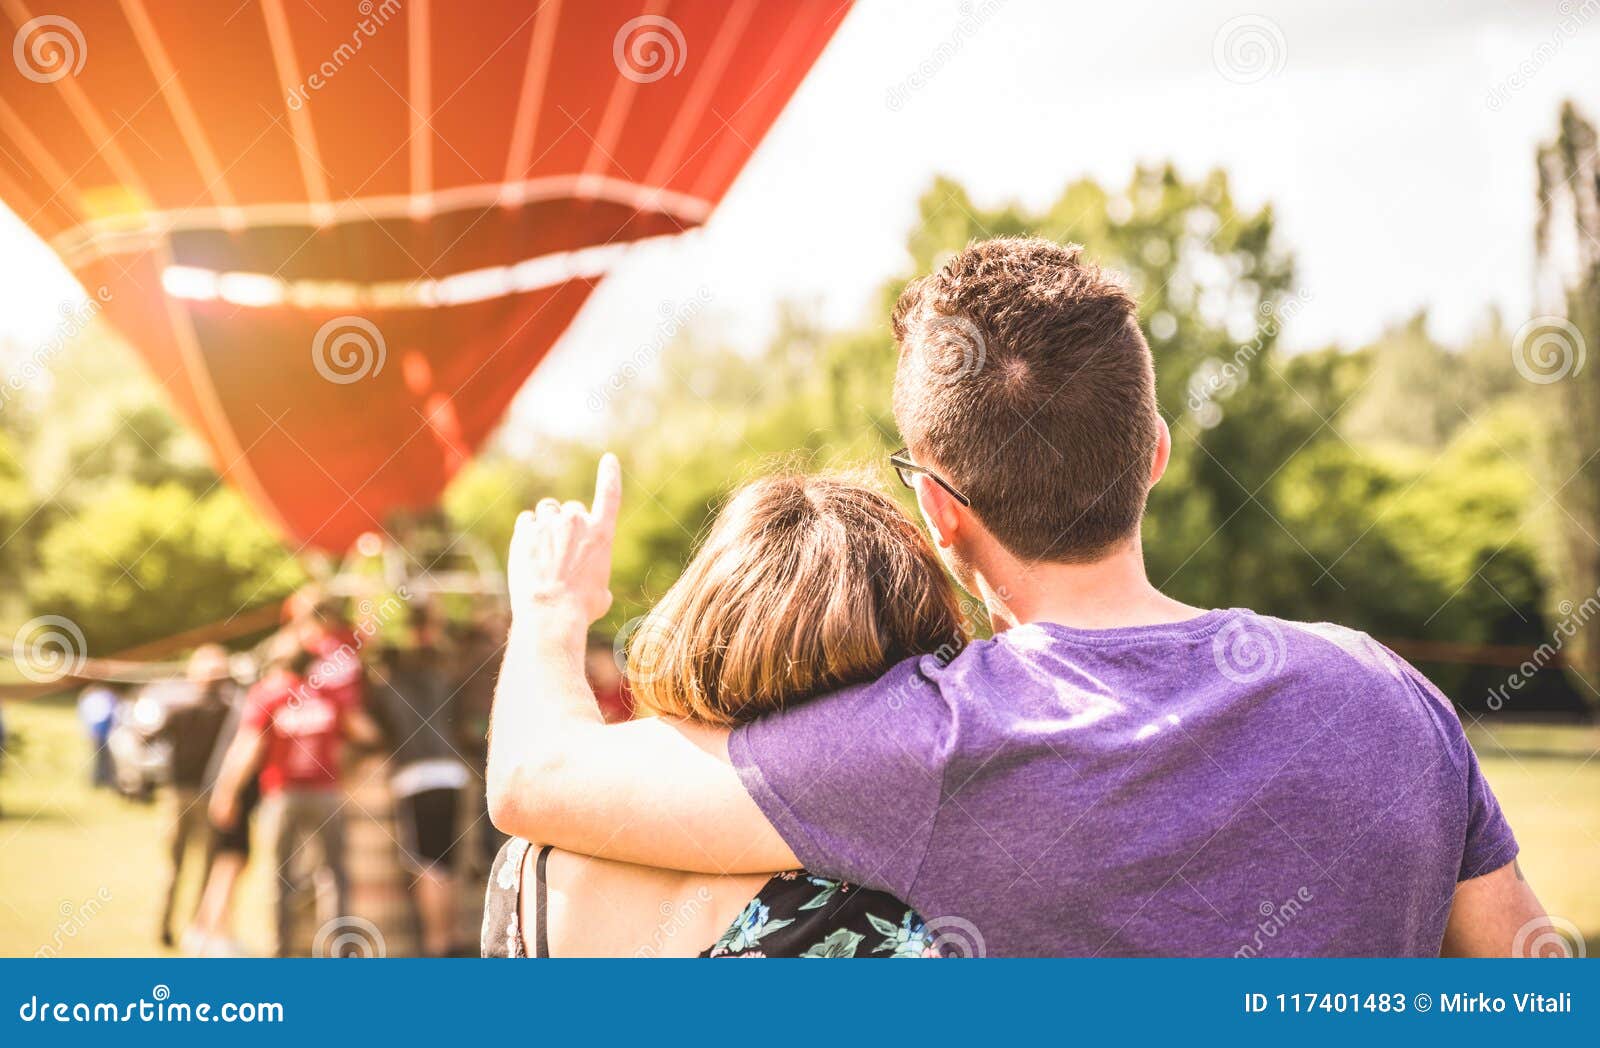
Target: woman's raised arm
647	792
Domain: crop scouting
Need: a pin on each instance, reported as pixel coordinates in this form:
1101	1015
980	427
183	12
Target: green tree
143	563
1551	351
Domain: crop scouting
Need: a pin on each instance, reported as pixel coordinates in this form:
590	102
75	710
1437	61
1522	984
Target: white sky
1396	183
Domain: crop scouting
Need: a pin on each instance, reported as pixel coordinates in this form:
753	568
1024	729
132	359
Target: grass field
80	868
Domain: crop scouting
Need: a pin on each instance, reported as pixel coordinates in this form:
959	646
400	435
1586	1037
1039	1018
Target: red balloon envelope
343	236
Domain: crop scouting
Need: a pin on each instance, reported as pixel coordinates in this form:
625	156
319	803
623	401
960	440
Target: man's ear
1158	462
939	511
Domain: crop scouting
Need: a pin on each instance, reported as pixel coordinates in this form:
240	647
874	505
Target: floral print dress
798	914
795	914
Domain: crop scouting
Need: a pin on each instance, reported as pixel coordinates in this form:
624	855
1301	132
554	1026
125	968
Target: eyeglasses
907	469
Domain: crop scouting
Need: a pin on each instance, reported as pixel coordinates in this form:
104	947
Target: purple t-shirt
1232	785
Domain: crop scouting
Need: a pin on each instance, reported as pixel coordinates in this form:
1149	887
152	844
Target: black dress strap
541	905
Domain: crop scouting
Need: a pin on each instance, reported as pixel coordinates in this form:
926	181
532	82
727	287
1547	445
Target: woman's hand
223	809
560	558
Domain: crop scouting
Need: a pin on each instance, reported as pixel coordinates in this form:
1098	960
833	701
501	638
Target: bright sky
1370	127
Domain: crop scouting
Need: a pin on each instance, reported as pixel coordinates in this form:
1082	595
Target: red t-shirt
303	719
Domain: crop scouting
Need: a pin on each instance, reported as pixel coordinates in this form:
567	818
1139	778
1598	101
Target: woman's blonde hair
804	584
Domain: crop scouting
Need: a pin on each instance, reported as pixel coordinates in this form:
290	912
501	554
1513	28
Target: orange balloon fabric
343	235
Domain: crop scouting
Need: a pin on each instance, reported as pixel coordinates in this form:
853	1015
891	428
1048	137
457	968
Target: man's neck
1109	593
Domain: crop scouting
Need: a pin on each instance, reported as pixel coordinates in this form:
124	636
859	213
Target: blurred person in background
210	933
97	709
605	677
474	665
416	704
195	715
296	721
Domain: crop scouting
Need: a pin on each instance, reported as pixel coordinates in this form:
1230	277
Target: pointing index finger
607	492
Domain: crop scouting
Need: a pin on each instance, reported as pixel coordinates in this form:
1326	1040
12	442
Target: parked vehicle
139	758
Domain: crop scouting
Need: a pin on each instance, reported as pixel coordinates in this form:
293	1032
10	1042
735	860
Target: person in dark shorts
415	704
197	707
210	932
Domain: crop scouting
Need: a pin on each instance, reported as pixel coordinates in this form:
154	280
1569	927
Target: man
210	933
1115	773
417	706
195	716
296	720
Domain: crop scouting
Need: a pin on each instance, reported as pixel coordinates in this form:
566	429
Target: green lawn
81	867
1548	782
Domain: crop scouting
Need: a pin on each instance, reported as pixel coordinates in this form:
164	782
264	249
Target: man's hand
560	557
361	729
241	761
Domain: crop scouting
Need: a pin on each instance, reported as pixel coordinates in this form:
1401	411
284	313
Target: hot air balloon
342	236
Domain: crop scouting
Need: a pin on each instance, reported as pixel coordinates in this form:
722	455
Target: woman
803	586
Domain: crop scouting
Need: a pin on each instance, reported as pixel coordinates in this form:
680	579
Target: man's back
1233	784
194	722
304	735
417	707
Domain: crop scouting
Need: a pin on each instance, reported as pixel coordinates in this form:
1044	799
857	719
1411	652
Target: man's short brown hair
1024	377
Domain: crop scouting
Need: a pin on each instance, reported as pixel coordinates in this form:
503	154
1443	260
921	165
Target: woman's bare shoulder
602	908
